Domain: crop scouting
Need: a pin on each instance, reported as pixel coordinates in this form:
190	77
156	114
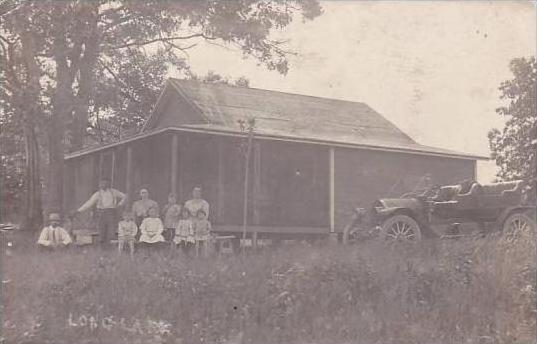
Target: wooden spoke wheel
518	224
400	228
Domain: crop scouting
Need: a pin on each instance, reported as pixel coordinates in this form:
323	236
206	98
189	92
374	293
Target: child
202	232
151	228
53	236
184	232
126	232
171	214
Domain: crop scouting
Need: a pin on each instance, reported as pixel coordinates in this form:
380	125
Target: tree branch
123	86
168	40
111	11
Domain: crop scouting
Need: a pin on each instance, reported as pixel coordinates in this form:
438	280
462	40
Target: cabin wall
289	182
363	176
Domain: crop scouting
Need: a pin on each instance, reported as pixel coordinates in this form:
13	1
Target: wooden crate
85	236
223	244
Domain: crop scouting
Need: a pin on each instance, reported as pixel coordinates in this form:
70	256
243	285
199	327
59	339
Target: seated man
53	236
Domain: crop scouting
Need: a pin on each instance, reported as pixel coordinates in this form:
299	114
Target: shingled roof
193	106
285	115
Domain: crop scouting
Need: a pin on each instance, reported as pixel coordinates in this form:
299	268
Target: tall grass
463	291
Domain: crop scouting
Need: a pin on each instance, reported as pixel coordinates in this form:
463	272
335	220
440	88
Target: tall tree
21	112
70	63
515	146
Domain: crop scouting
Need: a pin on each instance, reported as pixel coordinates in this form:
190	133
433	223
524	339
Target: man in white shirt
53	236
106	200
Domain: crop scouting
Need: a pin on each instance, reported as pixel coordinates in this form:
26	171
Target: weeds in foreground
438	292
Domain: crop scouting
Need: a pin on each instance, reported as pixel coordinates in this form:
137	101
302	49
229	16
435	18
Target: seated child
53	236
171	214
184	232
151	228
126	232
202	232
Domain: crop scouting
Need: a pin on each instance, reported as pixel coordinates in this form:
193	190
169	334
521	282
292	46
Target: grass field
464	291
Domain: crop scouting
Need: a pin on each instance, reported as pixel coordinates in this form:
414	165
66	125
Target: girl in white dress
184	232
151	229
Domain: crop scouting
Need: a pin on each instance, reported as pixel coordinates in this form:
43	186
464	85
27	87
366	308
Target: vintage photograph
268	172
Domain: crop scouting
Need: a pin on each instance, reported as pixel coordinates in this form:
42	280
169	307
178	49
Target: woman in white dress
141	207
197	203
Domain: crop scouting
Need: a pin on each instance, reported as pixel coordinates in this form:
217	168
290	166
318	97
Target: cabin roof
292	115
283	116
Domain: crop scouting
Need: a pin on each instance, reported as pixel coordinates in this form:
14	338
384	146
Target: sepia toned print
299	171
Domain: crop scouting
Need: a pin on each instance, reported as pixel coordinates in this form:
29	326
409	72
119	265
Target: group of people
186	226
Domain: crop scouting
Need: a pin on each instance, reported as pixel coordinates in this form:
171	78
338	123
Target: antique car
441	211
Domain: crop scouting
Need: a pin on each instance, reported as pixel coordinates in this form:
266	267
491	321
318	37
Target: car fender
505	213
409	206
389	206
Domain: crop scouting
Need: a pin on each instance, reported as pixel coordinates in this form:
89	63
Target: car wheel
517	225
400	228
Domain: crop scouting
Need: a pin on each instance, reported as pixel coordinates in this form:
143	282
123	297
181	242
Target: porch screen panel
106	165
295	185
120	169
198	165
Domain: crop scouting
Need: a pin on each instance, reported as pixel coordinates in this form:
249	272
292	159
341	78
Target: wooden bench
223	243
85	236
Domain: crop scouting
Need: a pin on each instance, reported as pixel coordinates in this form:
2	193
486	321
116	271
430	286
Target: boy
53	236
171	214
184	232
202	232
126	232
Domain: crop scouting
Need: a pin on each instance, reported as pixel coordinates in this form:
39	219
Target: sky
431	68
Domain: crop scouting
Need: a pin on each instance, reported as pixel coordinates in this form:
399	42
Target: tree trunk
62	108
55	173
33	207
85	82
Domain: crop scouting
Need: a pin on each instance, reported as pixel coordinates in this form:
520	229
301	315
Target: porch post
220	193
100	173
332	192
175	155
128	174
69	186
113	167
256	190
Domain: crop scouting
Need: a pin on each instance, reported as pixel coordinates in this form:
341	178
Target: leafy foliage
515	146
93	69
11	171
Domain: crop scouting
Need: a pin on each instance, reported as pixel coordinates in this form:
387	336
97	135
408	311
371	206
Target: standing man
106	200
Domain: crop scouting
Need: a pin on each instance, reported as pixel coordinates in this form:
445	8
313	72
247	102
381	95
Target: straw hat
54	217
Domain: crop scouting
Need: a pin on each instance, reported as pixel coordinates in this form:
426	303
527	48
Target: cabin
312	159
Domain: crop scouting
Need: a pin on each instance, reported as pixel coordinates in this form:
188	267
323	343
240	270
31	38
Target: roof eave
225	132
